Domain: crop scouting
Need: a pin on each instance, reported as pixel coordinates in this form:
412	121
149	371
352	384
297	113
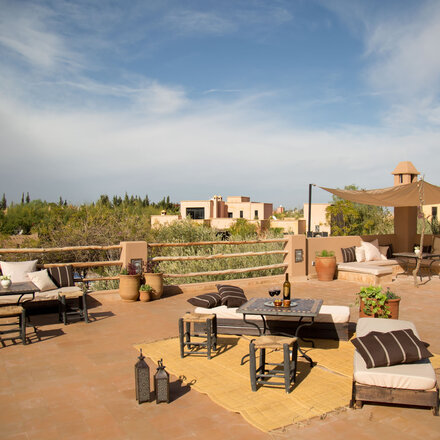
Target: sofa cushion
42	280
366	268
348	254
416	376
360	254
62	276
40	296
380	349
18	270
207	300
372	252
231	296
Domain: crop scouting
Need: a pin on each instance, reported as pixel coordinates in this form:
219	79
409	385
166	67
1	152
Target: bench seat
369	272
413	384
41	296
331	323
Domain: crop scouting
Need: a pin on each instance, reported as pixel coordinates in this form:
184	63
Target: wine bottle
286	288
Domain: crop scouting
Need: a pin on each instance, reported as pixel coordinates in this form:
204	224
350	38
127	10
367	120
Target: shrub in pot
145	292
129	282
375	303
325	265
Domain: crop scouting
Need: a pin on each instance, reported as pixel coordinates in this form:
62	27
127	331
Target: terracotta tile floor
78	381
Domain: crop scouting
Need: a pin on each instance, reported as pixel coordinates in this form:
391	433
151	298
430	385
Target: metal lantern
142	379
162	384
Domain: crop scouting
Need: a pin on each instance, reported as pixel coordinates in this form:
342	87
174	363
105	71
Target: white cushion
383	251
335	314
42	280
40	296
18	270
360	254
415	376
372	269
372	252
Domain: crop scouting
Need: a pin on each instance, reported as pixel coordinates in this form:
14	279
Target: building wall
318	217
206	204
427	210
290	225
161	220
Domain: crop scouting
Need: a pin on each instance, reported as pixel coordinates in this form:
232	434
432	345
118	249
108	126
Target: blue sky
196	98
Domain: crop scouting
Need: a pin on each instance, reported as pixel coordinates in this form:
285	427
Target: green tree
3	203
28	199
349	218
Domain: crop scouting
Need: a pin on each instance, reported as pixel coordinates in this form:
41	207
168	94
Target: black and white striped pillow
207	300
384	349
349	254
231	296
62	276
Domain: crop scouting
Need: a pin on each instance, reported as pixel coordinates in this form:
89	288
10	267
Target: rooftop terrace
78	381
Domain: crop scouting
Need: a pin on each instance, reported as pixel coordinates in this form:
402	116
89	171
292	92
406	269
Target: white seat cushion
39	296
373	269
416	376
335	314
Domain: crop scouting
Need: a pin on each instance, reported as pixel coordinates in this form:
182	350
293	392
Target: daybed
411	384
331	323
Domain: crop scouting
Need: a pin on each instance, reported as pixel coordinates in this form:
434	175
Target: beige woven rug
317	391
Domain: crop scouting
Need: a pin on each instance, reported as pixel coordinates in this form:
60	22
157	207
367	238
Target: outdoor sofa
406	383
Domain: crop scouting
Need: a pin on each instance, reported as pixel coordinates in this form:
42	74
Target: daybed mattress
335	314
416	376
39	296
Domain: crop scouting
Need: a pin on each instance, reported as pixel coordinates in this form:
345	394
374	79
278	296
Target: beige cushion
335	314
371	269
360	254
416	376
372	252
40	296
42	280
383	251
18	270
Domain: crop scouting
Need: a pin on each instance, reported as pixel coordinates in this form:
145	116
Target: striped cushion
62	276
207	300
384	349
349	254
231	296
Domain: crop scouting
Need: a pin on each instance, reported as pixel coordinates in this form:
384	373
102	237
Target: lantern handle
141	356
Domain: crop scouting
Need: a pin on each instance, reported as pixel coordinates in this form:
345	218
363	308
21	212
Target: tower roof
405	168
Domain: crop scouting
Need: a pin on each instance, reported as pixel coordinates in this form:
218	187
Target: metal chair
65	310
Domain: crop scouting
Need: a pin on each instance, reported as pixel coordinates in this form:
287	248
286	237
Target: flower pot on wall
155	280
129	287
325	268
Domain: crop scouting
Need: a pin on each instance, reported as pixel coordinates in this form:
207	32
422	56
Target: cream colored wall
427	210
161	220
207	204
289	225
318	217
237	199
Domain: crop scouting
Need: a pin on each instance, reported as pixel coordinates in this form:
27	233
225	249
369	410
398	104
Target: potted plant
155	280
375	303
129	282
145	292
5	281
417	250
325	265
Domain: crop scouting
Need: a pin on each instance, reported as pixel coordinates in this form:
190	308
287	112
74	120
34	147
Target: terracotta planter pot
129	287
393	305
144	296
325	268
155	280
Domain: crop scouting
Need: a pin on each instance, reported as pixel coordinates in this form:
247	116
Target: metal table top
304	307
19	289
424	255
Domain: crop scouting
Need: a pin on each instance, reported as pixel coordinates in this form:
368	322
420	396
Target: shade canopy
399	195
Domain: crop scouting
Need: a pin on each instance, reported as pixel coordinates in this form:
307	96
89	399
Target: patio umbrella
400	195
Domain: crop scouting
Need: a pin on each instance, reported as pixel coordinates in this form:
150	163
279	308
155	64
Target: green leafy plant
374	301
325	253
146	288
5	277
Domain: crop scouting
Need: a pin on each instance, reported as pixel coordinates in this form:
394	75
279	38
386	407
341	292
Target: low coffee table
300	308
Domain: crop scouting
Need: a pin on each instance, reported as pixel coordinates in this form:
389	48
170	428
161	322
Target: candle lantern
162	384
142	379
